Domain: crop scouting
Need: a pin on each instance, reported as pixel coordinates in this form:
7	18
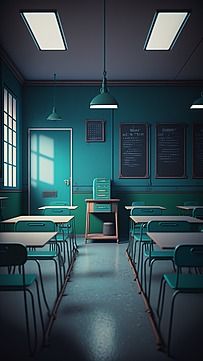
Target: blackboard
133	150
197	150
170	150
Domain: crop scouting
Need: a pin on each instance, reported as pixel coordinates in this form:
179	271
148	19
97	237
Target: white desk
146	219
166	240
55	219
63	207
58	220
28	239
145	207
188	208
2	198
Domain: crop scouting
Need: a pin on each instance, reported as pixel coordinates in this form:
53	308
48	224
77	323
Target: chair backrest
138	203
35	226
12	254
189	255
58	203
56	212
197	212
169	226
190	203
145	212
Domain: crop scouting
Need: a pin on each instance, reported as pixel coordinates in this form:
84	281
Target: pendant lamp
54	115
198	104
104	100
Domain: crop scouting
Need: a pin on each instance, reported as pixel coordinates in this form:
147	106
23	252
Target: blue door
49	167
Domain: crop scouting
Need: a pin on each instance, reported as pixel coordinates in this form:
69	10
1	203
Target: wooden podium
90	209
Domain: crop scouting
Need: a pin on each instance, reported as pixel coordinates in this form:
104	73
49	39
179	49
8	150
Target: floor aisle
102	316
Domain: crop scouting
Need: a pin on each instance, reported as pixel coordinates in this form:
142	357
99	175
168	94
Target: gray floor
102	316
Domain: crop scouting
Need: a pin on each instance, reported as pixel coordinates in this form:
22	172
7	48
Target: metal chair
197	212
66	236
58	203
138	203
51	254
152	255
132	229
181	282
141	238
15	255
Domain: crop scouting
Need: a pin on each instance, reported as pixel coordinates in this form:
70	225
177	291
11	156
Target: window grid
10	137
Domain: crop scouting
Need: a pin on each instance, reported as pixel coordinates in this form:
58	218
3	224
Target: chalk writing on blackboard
170	151
95	131
133	150
197	150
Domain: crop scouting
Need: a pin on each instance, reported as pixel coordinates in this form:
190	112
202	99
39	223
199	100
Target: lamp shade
54	115
198	104
104	100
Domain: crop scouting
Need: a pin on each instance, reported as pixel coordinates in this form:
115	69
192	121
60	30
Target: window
9	140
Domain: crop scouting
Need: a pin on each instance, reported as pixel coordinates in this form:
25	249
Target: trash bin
108	229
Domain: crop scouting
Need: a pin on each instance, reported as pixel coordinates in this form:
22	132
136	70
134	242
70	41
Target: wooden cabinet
90	203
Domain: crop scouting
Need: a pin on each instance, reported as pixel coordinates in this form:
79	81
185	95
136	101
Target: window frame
9	139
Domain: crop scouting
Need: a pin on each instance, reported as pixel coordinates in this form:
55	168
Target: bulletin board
95	131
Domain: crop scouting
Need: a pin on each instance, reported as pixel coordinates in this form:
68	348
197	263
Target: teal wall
137	104
142	104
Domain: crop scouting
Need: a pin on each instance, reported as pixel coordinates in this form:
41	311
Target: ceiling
127	25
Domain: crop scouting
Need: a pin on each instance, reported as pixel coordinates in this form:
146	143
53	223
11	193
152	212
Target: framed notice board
170	151
95	131
197	150
133	150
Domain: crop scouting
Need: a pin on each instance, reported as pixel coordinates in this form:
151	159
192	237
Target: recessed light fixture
45	28
165	28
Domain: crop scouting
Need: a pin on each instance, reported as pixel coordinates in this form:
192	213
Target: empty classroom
101	180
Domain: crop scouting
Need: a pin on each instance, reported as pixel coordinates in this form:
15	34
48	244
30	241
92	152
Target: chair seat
160	254
189	282
16	280
41	254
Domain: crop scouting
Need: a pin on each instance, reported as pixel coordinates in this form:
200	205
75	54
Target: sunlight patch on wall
46	146
46	170
42	160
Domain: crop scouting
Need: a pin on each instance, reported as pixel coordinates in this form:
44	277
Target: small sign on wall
95	131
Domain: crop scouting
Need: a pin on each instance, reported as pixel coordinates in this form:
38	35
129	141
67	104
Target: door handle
67	182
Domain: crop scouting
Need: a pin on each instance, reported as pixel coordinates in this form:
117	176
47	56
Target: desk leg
87	225
116	223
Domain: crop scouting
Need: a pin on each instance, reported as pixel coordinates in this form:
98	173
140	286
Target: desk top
55	219
63	207
188	208
166	240
145	207
1	198
102	200
28	239
145	219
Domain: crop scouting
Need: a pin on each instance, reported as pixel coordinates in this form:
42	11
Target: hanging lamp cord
104	85
54	91
104	37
